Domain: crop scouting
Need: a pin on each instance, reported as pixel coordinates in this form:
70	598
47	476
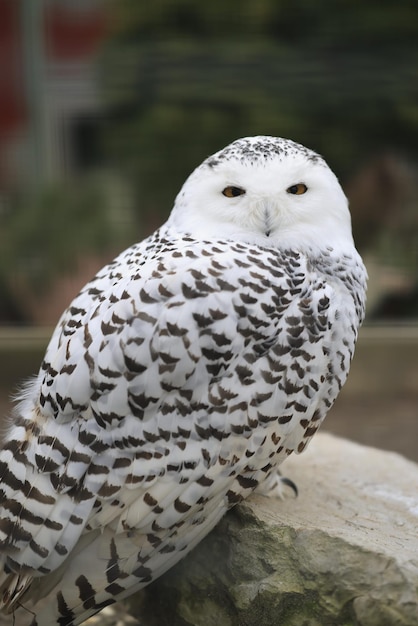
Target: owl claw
289	483
274	486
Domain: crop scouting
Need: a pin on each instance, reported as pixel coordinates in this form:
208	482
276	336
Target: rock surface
344	553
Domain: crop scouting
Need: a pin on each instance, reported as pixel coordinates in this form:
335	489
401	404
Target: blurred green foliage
184	78
63	222
45	235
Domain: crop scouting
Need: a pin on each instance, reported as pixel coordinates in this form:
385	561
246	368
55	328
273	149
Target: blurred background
106	107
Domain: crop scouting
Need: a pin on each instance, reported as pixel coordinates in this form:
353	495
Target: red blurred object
73	34
12	96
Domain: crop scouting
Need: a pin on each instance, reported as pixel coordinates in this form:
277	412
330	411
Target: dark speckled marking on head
262	148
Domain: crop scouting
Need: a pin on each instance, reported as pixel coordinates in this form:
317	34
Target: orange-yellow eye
233	192
297	190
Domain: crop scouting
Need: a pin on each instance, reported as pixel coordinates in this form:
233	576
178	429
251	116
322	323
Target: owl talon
289	483
274	486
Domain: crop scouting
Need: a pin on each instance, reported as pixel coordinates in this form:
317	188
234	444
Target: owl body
177	382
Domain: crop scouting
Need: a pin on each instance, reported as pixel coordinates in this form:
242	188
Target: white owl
179	379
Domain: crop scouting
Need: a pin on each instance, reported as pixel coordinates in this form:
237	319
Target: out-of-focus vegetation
56	232
184	78
181	79
82	215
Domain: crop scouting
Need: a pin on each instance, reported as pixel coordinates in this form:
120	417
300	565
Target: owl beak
265	214
268	214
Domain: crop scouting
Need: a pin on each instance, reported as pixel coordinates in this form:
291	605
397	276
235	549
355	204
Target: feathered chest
206	341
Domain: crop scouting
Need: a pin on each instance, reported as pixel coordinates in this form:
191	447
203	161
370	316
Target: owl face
284	195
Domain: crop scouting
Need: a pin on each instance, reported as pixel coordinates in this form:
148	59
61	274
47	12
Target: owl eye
297	190
233	192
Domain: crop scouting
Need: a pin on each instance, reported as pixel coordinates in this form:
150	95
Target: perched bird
179	379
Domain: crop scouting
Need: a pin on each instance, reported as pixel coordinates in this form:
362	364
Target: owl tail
110	568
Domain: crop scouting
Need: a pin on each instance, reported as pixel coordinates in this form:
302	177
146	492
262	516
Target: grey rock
344	553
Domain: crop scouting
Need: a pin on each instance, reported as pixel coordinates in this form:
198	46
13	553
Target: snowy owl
179	379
